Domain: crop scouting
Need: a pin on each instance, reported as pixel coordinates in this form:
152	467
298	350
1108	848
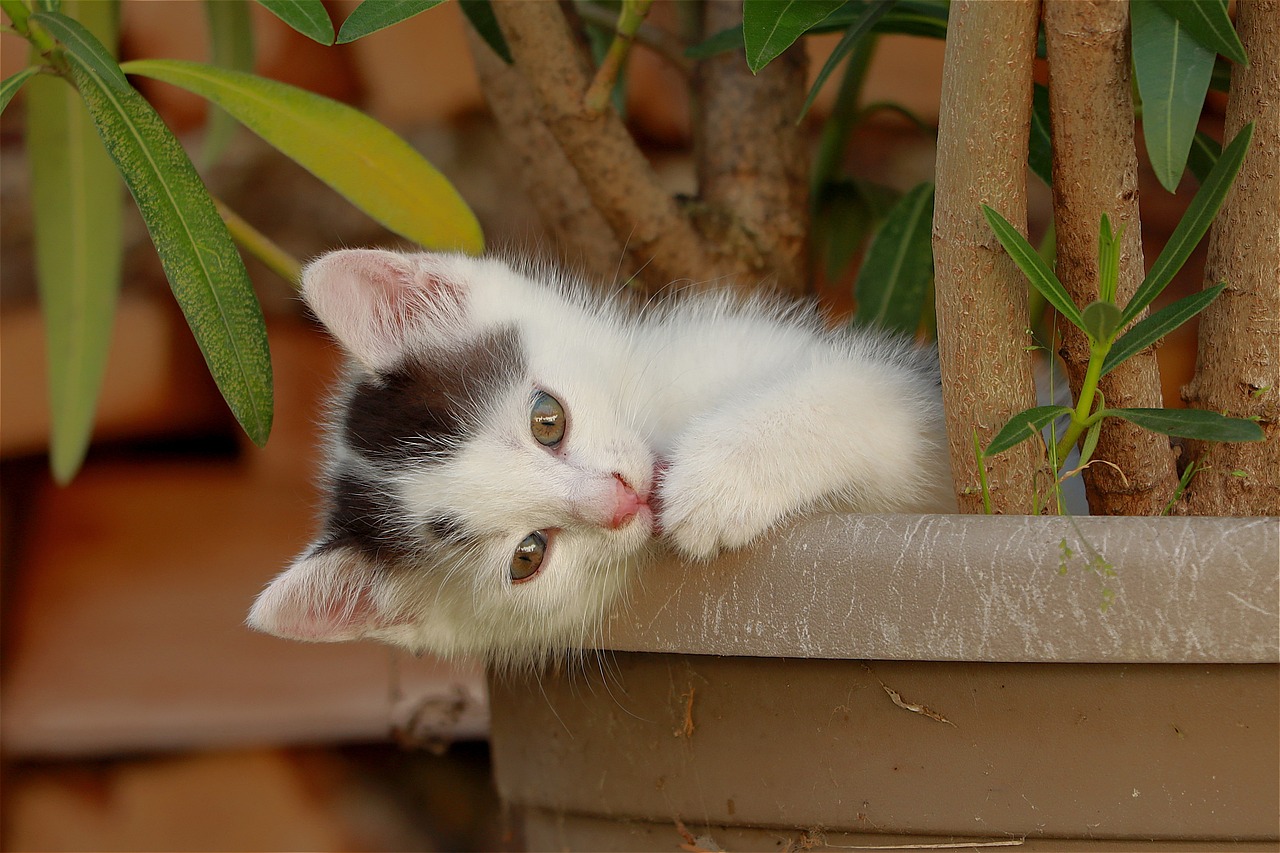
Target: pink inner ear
325	598
374	300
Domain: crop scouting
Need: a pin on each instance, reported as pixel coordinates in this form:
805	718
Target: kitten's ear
325	596
377	302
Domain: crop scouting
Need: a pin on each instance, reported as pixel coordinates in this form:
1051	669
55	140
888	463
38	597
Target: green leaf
1221	79
77	202
202	265
1191	423
373	15
1208	23
1205	151
1040	148
1151	329
845	116
364	161
1108	260
1090	442
1173	71
771	26
230	46
1024	425
308	17
480	14
926	18
895	276
1101	320
856	32
847	211
1199	215
11	85
1033	266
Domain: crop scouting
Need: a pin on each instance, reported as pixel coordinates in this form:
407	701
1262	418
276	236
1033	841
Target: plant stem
35	34
664	44
18	14
629	20
261	246
982	474
1084	417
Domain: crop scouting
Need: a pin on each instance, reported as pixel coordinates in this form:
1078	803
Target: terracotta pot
880	680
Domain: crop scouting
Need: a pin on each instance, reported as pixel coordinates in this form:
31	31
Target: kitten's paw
709	508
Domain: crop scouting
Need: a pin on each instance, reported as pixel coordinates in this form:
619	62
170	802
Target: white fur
756	412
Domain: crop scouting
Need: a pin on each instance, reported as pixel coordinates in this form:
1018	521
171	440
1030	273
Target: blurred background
137	711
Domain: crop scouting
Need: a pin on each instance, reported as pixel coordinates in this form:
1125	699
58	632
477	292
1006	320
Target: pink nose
626	503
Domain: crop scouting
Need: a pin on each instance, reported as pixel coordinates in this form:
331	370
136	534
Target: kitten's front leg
827	435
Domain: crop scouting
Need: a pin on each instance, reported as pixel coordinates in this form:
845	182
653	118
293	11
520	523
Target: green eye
527	559
546	419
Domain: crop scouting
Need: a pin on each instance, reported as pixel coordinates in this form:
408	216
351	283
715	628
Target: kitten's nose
626	503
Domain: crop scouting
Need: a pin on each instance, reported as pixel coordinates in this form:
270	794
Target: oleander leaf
1024	425
77	201
1101	320
895	275
308	17
358	157
1151	329
1173	71
1191	423
1033	266
1208	22
1194	223
771	26
1205	151
203	267
1040	146
480	14
857	31
373	15
12	84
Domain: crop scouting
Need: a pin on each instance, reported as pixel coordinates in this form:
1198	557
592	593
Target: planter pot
880	680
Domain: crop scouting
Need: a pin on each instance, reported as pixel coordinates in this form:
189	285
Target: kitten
510	448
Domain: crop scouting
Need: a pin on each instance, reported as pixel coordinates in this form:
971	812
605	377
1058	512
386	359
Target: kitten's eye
527	559
546	419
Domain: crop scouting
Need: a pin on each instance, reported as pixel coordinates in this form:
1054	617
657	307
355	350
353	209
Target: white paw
712	502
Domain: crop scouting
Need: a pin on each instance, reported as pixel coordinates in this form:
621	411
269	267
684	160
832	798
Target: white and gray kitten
510	448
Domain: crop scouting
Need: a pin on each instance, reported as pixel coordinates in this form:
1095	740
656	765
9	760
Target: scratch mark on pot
1250	604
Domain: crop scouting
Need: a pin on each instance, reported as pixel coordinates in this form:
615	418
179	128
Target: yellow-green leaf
77	202
202	264
364	161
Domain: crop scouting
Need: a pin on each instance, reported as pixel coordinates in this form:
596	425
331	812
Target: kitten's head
486	494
